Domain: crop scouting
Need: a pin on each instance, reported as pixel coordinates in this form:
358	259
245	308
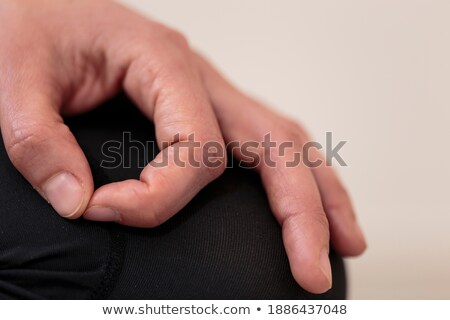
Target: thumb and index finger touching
170	92
43	149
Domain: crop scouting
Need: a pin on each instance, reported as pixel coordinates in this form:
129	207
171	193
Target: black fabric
225	244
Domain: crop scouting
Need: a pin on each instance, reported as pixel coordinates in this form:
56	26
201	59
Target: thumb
44	150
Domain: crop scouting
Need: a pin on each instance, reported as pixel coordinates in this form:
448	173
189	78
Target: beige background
375	73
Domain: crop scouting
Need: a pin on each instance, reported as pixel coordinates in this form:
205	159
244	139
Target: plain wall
375	73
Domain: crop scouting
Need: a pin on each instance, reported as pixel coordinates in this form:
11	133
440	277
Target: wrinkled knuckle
176	52
322	220
176	37
214	158
29	140
291	213
24	140
173	37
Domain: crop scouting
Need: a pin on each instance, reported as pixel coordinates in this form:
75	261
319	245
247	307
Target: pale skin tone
61	58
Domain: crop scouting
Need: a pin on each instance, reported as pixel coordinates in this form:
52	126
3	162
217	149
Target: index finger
175	99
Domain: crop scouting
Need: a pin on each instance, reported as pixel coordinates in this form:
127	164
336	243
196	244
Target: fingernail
101	214
65	194
325	266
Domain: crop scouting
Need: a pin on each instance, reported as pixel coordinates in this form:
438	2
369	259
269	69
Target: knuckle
321	219
315	213
161	53
215	159
175	37
24	140
175	52
28	140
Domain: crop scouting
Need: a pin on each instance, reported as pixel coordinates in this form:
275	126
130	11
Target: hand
66	57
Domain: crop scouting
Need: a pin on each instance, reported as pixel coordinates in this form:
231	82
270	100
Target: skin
61	58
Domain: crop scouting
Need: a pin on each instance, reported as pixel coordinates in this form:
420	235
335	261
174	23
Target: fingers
292	191
43	149
295	202
346	235
172	96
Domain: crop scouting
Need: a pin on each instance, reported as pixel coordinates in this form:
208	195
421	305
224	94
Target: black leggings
225	244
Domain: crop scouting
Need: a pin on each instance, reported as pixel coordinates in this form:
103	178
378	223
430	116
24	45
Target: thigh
225	244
